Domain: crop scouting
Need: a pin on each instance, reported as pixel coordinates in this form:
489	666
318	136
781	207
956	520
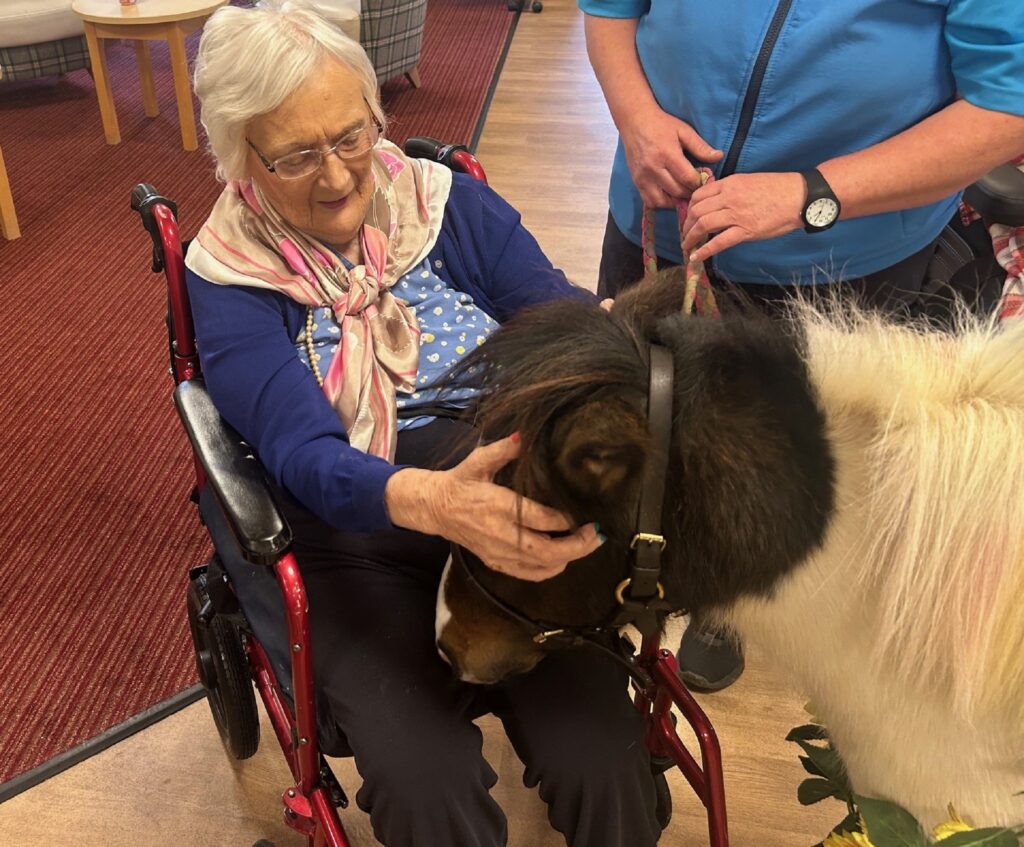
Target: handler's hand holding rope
698	286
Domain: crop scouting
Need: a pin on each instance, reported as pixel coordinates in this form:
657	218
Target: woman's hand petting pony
508	533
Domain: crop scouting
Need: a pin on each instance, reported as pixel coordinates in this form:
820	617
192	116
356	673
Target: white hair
251	59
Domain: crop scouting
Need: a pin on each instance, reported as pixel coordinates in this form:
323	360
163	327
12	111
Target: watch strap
817	189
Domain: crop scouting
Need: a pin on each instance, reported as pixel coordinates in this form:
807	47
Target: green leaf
808	732
830	766
810	767
890	825
812	791
992	837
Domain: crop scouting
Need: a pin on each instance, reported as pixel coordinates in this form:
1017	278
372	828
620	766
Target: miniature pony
844	491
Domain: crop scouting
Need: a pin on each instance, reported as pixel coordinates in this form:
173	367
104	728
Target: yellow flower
847	839
954	825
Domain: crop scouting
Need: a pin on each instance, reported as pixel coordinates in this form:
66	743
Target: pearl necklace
314	357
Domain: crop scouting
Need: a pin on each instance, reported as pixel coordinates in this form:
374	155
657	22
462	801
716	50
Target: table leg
8	220
102	78
182	89
146	78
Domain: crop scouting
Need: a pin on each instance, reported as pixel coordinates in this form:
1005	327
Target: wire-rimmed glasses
305	162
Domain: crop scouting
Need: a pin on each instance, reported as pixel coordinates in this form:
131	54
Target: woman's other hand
742	207
655	143
508	533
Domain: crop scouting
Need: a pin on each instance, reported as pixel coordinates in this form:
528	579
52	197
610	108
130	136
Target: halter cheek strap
641	596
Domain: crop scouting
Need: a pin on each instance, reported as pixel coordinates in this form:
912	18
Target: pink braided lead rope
698	287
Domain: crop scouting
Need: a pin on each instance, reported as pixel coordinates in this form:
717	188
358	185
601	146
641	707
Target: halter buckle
541	637
620	589
648	538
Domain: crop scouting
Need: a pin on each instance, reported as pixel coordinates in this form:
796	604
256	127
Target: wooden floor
547	147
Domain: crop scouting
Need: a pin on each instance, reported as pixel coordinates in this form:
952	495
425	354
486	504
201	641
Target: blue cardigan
246	341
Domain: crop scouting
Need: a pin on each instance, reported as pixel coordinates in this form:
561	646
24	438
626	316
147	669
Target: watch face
822	212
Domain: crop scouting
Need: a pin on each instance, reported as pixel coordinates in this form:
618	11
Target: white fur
442	613
907	628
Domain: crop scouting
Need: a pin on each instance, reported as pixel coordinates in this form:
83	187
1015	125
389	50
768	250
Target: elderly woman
334	281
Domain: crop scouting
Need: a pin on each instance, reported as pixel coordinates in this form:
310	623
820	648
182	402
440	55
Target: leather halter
640	597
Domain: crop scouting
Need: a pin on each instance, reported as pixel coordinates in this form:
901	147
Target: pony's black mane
749	491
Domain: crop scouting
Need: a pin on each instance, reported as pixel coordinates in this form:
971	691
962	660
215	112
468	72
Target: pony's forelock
544	362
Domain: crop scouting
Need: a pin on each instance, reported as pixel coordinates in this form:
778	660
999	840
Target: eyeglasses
305	162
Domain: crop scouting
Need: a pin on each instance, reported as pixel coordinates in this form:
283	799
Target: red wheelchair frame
310	803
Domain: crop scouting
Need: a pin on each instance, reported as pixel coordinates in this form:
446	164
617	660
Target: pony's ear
600	448
645	303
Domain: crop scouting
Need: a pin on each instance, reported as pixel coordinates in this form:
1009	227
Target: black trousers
896	290
409	721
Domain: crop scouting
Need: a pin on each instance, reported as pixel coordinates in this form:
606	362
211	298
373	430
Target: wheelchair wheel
663	806
224	673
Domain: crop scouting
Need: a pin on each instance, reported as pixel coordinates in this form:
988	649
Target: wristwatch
821	208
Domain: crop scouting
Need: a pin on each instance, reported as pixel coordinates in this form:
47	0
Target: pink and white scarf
246	242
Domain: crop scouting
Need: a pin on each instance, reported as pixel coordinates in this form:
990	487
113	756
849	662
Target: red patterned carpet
97	529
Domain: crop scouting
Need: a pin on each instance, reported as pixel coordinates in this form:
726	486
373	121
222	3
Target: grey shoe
709	659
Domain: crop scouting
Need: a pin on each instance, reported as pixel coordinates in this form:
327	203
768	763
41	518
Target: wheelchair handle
455	156
144	198
999	196
160	218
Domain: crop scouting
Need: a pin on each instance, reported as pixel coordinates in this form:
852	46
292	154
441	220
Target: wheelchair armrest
237	478
999	196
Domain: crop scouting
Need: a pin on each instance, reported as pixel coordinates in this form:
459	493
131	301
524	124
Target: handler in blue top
333	280
834	131
767	91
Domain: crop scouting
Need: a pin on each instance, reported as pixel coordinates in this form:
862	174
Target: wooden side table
8	220
146	20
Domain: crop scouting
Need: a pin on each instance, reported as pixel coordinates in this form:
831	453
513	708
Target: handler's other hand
742	207
508	533
655	143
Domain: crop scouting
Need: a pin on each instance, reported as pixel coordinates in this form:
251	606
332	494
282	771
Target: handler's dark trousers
409	721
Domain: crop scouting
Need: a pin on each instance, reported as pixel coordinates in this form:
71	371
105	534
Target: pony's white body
906	628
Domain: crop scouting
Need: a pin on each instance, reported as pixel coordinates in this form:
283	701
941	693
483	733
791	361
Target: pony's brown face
480	643
584	463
